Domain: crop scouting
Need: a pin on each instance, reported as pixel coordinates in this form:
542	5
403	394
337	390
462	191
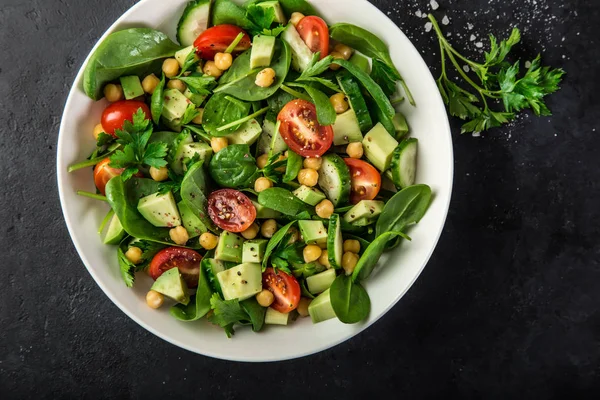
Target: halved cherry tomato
216	40
285	289
231	210
365	180
104	173
115	114
186	260
313	30
301	131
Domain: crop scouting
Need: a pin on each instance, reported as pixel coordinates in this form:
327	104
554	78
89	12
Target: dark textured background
507	306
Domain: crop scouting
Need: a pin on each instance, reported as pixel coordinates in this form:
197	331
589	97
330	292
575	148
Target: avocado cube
263	212
160	210
320	282
175	104
274	317
132	87
368	209
254	250
379	147
346	128
194	226
229	247
182	55
248	133
320	309
203	150
400	125
313	232
172	285
197	99
263	48
364	222
115	232
241	282
309	195
279	15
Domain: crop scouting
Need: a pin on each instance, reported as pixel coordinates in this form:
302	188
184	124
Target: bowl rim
215	354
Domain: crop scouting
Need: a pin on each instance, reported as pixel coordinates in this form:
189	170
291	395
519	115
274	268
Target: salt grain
418	13
466	68
472	38
469	26
476	134
445	20
428	27
527	64
479	45
434	5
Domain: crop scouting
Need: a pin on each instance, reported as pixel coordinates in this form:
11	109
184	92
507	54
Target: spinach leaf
385	76
234	167
289	6
227	313
274	242
306	270
349	300
227	12
239	80
255	312
325	112
199	304
193	193
371	256
134	51
220	110
199	83
407	206
279	100
282	200
294	165
316	66
158	101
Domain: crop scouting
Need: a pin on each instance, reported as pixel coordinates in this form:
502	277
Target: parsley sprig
262	19
136	151
500	82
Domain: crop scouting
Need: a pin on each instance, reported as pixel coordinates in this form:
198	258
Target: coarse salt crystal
428	27
418	13
527	64
434	5
466	68
445	20
479	45
476	134
472	38
469	26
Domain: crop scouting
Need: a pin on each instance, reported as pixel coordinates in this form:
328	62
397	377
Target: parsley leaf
190	113
262	19
173	185
104	139
226	313
199	84
126	268
191	60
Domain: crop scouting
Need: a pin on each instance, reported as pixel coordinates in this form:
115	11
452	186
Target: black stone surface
508	306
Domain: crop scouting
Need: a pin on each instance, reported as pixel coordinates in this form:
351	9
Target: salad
258	169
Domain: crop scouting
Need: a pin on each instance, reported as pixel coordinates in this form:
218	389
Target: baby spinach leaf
282	200
227	12
234	167
406	207
134	51
371	255
316	66
193	193
294	165
279	100
157	101
385	76
199	304
325	112
239	80
349	300
255	312
274	242
220	110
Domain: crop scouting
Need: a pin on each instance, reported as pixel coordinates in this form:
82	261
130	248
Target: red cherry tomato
118	112
365	180
285	289
216	40
103	173
301	131
186	260
231	210
314	32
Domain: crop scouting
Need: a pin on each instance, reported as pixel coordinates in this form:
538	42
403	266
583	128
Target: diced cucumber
320	308
404	163
274	317
248	133
301	54
276	7
320	282
212	267
334	179
400	125
355	98
193	22
335	243
361	62
270	141
346	129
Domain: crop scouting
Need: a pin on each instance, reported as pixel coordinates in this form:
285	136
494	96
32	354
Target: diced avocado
379	146
241	282
115	232
203	150
174	125
160	210
175	104
197	99
182	54
309	195
172	285
132	87
190	221
320	308
254	250
368	209
248	133
400	125
229	247
346	129
176	153
313	232
364	222
320	282
361	62
301	54
263	212
274	317
279	14
271	141
263	48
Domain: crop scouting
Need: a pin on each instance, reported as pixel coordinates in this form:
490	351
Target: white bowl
397	271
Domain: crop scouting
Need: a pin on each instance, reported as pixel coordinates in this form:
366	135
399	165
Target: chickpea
150	83
170	67
198	118
339	101
134	254
262	161
351	245
265	298
355	150
296	18
98	129
313	163
219	143
344	50
324	209
265	78
251	232
159	174
208	240
223	61
308	177
211	69
349	261
154	299
262	184
324	259
268	228
336	56
177	84
303	307
113	92
179	235
311	253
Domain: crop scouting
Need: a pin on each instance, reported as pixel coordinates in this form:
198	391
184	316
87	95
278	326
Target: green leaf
190	61
262	17
220	110
485	120
385	77
157	101
234	167
406	207
459	101
126	268
199	83
326	114
498	53
274	242
372	254
282	200
226	313
255	312
194	193
155	154
349	300
199	305
190	113
104	139
316	66
294	165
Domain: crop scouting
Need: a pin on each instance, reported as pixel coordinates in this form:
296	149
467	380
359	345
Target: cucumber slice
193	22
334	179
355	98
211	268
335	243
404	163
